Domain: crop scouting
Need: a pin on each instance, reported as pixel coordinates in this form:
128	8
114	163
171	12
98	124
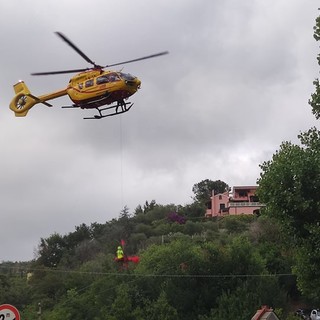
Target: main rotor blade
138	59
59	72
64	38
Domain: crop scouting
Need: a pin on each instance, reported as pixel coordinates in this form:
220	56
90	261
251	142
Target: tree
307	265
290	187
161	309
121	308
315	97
126	222
146	207
124	213
193	210
51	250
197	277
290	184
203	189
82	232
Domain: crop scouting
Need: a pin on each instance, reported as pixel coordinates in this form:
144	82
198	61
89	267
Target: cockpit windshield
127	76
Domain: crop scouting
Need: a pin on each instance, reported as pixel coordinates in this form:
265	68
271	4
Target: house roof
265	313
245	187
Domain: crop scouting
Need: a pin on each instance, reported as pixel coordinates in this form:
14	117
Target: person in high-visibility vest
120	254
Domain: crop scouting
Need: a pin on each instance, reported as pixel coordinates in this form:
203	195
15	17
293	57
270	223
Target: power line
152	275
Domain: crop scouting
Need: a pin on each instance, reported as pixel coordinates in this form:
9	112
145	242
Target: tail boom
23	101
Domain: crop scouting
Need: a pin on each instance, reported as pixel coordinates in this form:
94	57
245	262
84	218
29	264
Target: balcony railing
245	204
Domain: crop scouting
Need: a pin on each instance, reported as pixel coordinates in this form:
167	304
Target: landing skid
119	108
123	106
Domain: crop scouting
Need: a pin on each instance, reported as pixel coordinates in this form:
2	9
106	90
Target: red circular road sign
9	312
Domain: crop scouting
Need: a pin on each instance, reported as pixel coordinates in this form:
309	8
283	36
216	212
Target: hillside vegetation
190	268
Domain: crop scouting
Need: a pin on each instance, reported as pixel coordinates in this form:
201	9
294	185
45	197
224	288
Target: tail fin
23	101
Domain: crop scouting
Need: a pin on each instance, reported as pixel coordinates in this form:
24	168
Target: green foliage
143	228
183	260
203	190
307	265
236	224
289	187
51	250
229	303
193	210
192	228
146	207
315	97
196	270
15	290
160	309
121	308
187	272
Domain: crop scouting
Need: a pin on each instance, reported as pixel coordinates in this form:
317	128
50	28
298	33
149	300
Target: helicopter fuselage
87	90
95	88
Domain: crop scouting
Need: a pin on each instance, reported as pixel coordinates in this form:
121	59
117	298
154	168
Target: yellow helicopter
91	88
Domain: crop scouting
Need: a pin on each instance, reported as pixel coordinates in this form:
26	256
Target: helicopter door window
102	79
80	86
89	83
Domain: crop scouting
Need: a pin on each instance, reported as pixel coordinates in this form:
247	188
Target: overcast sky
235	85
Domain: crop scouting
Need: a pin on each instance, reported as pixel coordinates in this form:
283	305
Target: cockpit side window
113	77
110	77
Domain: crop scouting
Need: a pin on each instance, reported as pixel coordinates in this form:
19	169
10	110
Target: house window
220	197
243	193
254	199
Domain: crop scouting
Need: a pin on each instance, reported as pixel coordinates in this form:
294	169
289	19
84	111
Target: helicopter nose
134	83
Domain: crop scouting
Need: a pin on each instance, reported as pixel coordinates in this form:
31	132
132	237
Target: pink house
242	201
